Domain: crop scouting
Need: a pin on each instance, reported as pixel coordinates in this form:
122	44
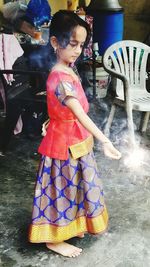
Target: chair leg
145	122
110	119
131	127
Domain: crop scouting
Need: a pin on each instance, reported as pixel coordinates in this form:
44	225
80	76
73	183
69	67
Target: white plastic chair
127	60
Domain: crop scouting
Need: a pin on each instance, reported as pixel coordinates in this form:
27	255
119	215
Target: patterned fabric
68	194
68	200
64	126
63	90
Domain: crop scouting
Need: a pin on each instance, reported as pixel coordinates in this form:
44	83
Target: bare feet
80	236
64	249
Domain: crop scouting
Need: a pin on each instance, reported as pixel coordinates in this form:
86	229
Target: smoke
41	57
134	159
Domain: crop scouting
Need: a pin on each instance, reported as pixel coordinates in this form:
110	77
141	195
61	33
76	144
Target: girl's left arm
86	121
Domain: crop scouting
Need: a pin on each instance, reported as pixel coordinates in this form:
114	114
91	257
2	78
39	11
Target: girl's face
72	51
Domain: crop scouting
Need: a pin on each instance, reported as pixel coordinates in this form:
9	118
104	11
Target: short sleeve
63	90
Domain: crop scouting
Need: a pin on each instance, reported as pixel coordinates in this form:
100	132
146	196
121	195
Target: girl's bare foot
64	249
80	236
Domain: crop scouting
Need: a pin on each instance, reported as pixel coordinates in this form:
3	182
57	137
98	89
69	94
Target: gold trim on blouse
82	148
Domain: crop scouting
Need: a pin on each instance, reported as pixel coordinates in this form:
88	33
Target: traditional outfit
68	194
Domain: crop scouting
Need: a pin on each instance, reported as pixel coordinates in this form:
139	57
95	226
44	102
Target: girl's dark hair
63	24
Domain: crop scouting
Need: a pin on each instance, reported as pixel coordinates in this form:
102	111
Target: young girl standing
68	198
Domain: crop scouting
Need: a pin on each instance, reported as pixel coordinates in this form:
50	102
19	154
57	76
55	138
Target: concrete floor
127	194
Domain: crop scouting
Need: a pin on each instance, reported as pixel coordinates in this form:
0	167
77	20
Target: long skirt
68	200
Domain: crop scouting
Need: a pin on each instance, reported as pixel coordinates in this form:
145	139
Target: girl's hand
110	151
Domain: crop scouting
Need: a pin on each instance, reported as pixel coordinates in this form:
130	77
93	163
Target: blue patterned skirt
68	200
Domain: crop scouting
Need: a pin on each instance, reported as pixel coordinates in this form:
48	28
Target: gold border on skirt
53	234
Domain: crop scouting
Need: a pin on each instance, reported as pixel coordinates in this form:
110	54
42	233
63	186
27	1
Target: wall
57	5
1	4
137	19
87	2
62	4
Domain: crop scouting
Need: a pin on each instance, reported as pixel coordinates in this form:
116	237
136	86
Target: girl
68	198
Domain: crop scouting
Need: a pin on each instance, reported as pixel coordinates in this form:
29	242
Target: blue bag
38	12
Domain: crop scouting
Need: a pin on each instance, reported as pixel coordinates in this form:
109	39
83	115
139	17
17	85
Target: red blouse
64	129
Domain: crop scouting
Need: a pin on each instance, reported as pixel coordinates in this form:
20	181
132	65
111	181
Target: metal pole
94	73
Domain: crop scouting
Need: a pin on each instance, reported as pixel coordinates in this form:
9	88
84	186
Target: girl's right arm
85	120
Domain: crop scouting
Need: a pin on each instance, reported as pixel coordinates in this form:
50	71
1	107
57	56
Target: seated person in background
21	99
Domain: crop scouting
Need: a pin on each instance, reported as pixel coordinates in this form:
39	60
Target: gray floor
127	194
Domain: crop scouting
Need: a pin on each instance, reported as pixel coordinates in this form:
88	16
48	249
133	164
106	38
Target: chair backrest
24	85
127	61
